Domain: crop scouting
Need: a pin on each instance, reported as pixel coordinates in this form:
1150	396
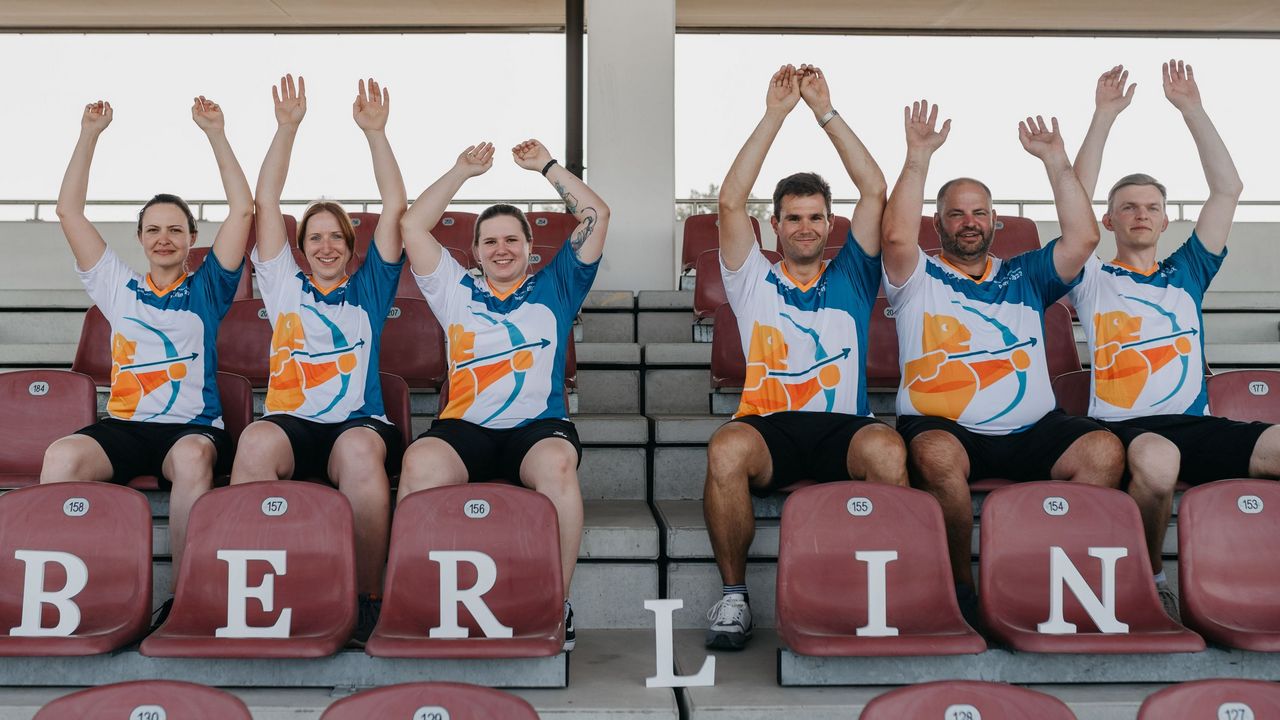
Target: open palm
290	100
372	106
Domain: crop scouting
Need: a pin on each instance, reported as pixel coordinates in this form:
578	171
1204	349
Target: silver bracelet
822	122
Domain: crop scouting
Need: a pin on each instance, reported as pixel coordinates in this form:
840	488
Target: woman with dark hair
324	415
508	332
165	418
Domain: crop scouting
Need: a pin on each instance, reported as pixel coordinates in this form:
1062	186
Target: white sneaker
570	635
1169	600
730	623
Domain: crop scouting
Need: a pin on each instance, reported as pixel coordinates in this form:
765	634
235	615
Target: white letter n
1102	612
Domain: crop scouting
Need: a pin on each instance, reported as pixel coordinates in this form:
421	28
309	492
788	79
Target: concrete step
608	391
44	327
608	326
51	355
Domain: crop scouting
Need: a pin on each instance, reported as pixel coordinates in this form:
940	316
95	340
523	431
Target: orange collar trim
986	272
331	288
1146	273
804	287
162	292
504	295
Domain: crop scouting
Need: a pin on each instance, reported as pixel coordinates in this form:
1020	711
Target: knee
192	459
939	460
882	447
1102	455
63	460
1154	463
729	452
259	442
428	463
556	471
358	455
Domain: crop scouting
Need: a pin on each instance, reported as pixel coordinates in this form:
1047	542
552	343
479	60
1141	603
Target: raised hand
207	114
371	108
475	160
531	155
291	100
1041	140
1111	95
1180	85
814	89
784	89
921	119
96	118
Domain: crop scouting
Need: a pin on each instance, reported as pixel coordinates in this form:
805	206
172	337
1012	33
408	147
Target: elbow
731	202
875	189
602	212
1234	188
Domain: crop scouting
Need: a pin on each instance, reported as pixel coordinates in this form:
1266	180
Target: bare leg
1095	458
189	467
877	454
551	468
75	458
356	466
1265	461
1153	466
262	453
737	459
430	462
940	467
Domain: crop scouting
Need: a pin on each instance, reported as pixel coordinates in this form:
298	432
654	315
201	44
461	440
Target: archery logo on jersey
772	384
133	380
470	376
1124	362
948	375
296	372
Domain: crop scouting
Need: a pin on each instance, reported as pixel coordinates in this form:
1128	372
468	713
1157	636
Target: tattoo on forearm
584	230
570	202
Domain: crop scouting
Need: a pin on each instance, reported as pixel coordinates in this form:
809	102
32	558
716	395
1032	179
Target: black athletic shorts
806	445
1021	456
312	442
491	454
139	448
1212	448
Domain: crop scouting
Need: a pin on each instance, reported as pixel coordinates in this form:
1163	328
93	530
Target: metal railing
708	205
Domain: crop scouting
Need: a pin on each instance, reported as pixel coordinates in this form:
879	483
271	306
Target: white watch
822	121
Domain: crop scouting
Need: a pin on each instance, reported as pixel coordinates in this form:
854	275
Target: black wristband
547	167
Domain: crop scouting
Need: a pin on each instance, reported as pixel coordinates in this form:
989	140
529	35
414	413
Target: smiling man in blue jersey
804	412
975	399
1144	325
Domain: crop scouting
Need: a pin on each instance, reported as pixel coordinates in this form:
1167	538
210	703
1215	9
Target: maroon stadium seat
1060	352
458	701
1225	699
456	230
1246	395
514	529
928	237
540	255
1029	528
840	227
395	400
708	284
40	406
108	529
883	368
408	287
1228	587
364	223
964	699
299	551
551	228
1072	392
93	353
823	595
290	231
244	290
1014	236
244	341
413	344
145	699
728	363
702	233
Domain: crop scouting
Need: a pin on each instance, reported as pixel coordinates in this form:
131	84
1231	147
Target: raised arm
1075	212
1225	186
233	235
370	110
901	242
858	163
416	223
579	200
291	107
1110	98
86	243
736	235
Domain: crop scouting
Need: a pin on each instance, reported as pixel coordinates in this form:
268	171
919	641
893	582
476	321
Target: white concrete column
631	138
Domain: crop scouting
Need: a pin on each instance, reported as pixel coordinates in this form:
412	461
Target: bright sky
449	91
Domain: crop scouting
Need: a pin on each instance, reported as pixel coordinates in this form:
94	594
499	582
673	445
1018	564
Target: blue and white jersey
1146	333
805	345
324	343
973	350
164	358
507	351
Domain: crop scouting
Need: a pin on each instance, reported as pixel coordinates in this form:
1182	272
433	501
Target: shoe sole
727	641
569	645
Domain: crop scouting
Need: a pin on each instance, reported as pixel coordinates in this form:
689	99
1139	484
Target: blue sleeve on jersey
215	284
1197	264
863	269
1038	264
571	278
378	279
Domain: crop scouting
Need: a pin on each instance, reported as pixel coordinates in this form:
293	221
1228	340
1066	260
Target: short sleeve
376	281
438	286
106	278
1198	263
863	270
1039	266
573	278
900	295
1083	293
741	283
272	276
215	284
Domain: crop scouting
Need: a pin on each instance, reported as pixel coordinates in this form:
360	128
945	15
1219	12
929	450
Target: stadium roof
1257	18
